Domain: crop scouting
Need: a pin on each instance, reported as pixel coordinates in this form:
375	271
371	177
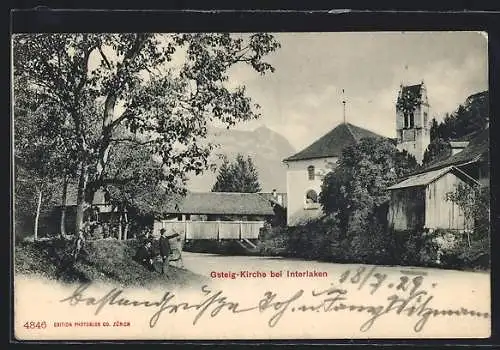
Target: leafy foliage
408	101
475	204
238	176
434	130
101	91
355	193
357	186
470	117
437	150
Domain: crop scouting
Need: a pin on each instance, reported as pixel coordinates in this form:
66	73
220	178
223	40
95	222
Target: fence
211	229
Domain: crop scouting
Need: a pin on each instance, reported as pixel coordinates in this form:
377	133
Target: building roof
426	178
332	143
477	149
221	203
72	192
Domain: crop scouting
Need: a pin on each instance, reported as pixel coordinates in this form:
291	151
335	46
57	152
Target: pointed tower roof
332	143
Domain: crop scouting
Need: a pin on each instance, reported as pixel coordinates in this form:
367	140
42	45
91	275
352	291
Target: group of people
146	254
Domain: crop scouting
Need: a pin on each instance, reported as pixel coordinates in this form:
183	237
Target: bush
450	249
273	241
406	247
371	246
477	256
316	239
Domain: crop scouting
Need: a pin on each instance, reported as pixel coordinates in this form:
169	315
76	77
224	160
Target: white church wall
298	184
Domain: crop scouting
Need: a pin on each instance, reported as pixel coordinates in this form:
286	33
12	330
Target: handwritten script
409	299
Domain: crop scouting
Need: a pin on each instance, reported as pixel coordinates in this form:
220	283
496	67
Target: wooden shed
420	201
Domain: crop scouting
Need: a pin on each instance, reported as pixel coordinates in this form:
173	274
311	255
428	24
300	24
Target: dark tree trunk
80	200
63	206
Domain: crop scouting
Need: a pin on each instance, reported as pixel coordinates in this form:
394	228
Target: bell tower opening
412	121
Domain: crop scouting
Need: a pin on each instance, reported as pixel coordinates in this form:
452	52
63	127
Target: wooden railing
210	229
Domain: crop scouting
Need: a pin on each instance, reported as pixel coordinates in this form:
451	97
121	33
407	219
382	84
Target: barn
420	201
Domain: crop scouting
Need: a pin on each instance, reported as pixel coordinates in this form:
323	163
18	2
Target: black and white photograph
184	185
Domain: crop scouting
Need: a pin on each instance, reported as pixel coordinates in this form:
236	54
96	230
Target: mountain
266	147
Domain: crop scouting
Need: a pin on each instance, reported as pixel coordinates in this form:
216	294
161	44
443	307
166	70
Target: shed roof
332	143
477	149
221	203
424	179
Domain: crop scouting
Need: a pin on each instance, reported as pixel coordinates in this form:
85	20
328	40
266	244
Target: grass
106	260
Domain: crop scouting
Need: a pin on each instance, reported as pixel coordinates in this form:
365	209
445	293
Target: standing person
165	247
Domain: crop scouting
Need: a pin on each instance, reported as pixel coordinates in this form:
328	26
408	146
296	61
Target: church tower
412	120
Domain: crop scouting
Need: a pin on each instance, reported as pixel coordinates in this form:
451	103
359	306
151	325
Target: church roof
332	143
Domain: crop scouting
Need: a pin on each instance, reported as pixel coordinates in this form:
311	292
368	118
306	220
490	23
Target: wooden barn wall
406	209
441	213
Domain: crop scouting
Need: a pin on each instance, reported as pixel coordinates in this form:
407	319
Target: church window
310	172
406	121
311	197
412	120
425	118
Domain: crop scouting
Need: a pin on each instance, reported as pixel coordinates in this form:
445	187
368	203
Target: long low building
216	215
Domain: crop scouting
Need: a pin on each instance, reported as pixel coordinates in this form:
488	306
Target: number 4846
35	325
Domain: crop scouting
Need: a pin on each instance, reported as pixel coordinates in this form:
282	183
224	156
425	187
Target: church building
306	169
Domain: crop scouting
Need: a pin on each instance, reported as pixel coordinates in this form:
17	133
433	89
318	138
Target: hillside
106	261
266	147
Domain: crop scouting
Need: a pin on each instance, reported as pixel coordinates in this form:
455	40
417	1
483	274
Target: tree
438	149
434	130
357	187
239	176
111	89
145	194
474	201
42	156
469	118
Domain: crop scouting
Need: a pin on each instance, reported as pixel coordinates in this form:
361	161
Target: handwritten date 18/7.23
369	278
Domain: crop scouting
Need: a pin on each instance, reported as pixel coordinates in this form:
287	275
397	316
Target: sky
302	99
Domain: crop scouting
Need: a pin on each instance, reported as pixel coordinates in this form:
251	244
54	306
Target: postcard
250	186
